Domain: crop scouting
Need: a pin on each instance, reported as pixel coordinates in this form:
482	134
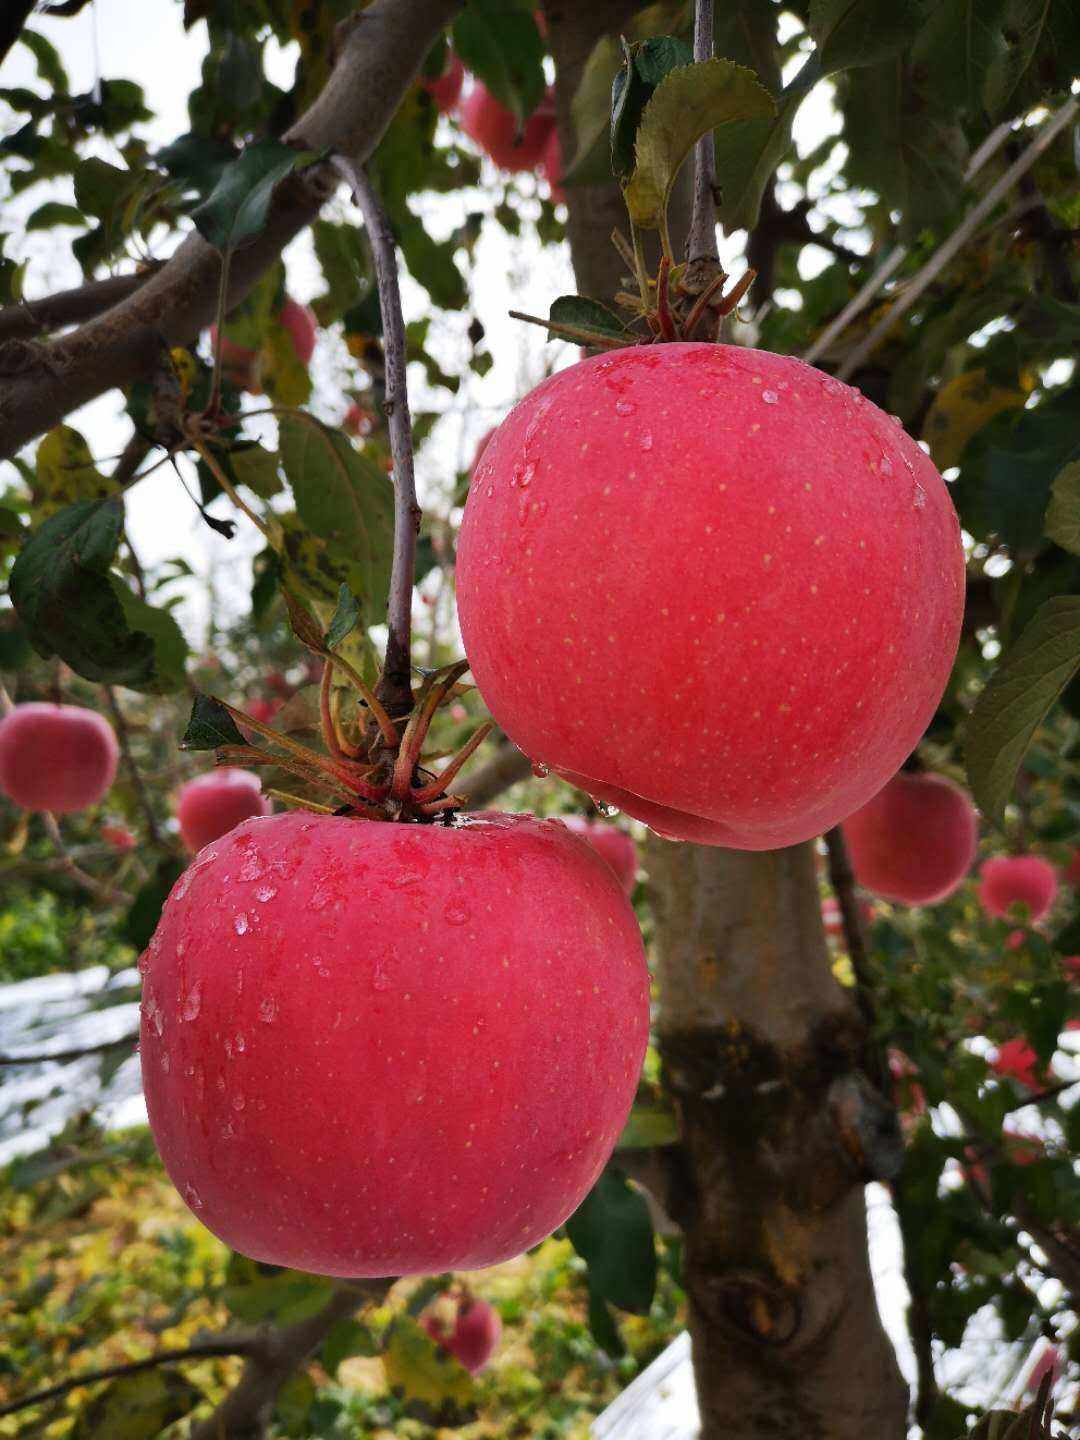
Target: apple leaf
305	626
210	725
256	1294
1063	512
645	66
1021	691
137	1407
347	1338
238	205
63	592
602	1326
584	314
501	45
433	1384
612	1232
648	1126
749	150
862	32
170	647
689	102
345	619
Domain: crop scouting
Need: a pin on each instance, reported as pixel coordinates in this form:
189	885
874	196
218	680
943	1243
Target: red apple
384	1049
1070	964
119	837
478	453
711	586
1016	1060
908	1095
210	805
915	840
56	757
488	122
474	1335
300	322
613	844
1008	881
445	89
237	361
261	709
551	167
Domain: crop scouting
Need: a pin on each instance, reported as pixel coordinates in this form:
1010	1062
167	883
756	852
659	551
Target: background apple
612	844
1009	881
915	840
470	1336
56	757
493	127
210	805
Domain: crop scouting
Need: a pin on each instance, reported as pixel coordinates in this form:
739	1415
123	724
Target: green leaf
238	206
501	45
432	1383
49	65
1020	693
65	472
304	624
602	1326
862	32
346	501
170	647
1041	42
137	1407
345	620
612	1232
955	49
102	189
632	89
294	1401
347	1338
210	725
145	912
61	588
54	213
748	151
585	314
255	1293
343	257
688	103
431	263
1063	512
195	162
256	468
647	1127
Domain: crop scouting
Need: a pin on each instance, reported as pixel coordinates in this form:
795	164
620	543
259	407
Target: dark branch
69	307
13	17
123	735
701	243
380	51
505	768
395	684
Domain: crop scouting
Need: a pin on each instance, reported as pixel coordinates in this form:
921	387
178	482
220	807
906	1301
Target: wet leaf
238	206
612	1232
210	725
345	620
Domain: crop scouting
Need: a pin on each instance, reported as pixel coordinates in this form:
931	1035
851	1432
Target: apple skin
712	587
379	1049
1008	880
445	89
611	843
61	758
239	363
212	804
1016	1060
300	322
915	840
552	167
478	454
476	1332
490	125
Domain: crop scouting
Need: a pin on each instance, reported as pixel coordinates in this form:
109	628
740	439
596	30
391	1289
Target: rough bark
781	1129
380	52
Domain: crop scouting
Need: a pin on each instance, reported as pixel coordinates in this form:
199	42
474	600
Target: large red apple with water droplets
56	757
211	804
379	1049
915	840
711	586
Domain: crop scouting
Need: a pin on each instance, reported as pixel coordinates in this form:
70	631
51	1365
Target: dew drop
192	1002
540	770
456	913
608	811
268	1008
918	496
832	387
624	407
240	924
490	491
165	1061
241	1043
192	1198
238	1102
886	465
645	441
265	893
144	962
770	397
379	978
527	475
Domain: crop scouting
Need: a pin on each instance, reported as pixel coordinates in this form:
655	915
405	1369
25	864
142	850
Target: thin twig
395	685
702	239
123	735
240	1344
856	306
959	237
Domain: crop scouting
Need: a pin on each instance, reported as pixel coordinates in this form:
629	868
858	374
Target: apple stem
701	244
395	684
329	729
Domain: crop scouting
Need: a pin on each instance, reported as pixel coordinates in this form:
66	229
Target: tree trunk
781	1128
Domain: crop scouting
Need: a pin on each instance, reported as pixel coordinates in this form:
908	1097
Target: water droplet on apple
527	475
238	1102
241	1043
268	1008
165	1061
192	1198
240	924
456	913
608	811
832	387
918	496
265	893
645	441
192	1002
624	407
540	770
770	397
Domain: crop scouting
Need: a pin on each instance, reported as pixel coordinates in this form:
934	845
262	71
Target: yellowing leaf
429	1379
688	103
183	362
282	373
960	410
66	473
